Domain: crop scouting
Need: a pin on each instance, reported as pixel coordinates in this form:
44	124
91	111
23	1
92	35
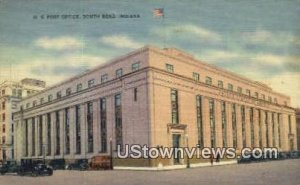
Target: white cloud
186	29
120	41
59	43
51	70
269	38
275	60
218	55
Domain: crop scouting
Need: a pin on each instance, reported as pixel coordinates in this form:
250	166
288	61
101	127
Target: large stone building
11	93
154	97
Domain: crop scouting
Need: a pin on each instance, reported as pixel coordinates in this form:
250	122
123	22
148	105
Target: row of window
17	92
79	87
66	139
212	123
230	87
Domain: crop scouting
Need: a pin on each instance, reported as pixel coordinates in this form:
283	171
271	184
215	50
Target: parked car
34	167
79	164
9	167
100	162
57	164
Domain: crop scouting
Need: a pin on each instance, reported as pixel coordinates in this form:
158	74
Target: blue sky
259	39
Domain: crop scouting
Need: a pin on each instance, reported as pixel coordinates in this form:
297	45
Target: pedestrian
211	159
218	158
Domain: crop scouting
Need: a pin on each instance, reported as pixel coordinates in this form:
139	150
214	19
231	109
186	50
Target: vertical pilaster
229	125
256	127
29	137
239	127
284	132
263	128
72	130
37	122
96	122
206	122
218	123
62	131
53	134
44	130
247	126
276	144
270	134
294	131
83	129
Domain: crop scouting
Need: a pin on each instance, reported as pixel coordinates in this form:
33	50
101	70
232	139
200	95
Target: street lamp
111	153
187	144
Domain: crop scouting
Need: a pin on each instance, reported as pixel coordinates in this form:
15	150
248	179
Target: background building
154	97
10	94
298	126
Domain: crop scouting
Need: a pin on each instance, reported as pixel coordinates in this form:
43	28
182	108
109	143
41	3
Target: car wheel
50	173
34	173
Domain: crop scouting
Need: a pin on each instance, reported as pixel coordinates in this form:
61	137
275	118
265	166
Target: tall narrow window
273	129
196	76
33	137
230	87
212	123
104	78
251	126
67	131
118	121
77	130
58	95
260	128
174	106
267	128
278	122
57	152
248	92
26	138
91	83
208	80
220	84
199	121
170	68
135	66
243	125
41	135
234	129
224	124
119	72
103	126
135	91
48	134
290	124
68	91
79	87
239	90
90	127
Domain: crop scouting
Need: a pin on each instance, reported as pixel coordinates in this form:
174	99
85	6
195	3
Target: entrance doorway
176	144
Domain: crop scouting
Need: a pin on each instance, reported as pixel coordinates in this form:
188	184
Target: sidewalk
175	167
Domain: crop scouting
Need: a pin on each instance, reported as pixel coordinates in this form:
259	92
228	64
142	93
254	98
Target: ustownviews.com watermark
137	151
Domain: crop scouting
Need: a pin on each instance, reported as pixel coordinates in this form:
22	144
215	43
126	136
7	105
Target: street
285	172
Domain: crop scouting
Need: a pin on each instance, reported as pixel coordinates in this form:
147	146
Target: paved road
285	172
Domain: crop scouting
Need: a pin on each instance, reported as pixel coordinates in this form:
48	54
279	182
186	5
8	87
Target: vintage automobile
100	162
9	167
34	167
57	164
79	164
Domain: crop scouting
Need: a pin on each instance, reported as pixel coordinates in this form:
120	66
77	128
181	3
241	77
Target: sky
259	39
